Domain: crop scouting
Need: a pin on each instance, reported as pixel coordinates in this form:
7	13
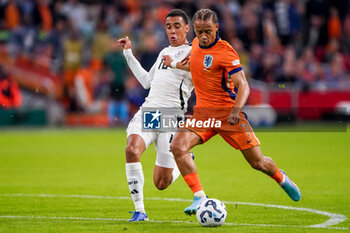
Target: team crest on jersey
208	61
179	54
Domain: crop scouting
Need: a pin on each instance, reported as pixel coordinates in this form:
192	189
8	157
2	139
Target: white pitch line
163	221
333	218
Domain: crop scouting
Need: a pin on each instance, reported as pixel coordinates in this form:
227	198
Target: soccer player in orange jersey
221	91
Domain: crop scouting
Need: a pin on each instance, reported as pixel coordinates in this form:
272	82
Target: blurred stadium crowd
305	43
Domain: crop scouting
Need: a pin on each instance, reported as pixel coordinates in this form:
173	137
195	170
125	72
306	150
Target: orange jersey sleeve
211	68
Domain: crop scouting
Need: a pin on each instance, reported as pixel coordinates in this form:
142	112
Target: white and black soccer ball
211	213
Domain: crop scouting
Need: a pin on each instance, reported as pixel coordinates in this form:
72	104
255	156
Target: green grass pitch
73	180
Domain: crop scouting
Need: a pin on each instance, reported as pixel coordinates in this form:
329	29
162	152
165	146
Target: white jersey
169	87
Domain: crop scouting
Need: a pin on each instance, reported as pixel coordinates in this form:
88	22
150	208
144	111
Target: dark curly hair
178	12
205	14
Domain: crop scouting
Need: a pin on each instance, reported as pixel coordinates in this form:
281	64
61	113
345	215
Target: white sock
134	175
200	194
175	174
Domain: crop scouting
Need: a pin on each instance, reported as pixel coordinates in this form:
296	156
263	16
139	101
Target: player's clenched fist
125	43
167	60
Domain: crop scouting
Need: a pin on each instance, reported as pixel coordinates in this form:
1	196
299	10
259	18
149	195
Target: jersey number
162	66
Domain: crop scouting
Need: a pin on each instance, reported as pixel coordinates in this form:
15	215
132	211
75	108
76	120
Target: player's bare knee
178	150
174	148
133	153
161	184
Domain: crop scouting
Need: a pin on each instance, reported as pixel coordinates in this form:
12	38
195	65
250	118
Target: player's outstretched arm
242	95
141	74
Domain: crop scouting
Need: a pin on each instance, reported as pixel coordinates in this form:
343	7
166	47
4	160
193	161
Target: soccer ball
211	213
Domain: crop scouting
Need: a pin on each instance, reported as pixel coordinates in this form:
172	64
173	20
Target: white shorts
162	141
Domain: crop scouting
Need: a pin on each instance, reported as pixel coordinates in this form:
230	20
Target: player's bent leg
259	162
265	164
162	177
165	170
180	146
163	174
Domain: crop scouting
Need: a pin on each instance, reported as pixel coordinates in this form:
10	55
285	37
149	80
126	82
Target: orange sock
278	176
193	182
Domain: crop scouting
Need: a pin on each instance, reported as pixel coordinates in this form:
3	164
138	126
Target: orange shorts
240	136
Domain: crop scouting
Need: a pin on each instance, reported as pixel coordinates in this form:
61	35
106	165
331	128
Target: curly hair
205	14
178	12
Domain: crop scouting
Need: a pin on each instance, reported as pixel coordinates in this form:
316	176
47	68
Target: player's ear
187	28
217	27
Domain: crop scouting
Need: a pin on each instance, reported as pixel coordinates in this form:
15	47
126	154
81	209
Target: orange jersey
211	68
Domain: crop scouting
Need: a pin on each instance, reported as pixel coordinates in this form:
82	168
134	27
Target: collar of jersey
211	45
178	46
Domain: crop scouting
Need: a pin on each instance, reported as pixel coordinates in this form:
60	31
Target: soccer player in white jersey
169	87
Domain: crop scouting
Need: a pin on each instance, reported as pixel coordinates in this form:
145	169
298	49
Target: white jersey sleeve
140	73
